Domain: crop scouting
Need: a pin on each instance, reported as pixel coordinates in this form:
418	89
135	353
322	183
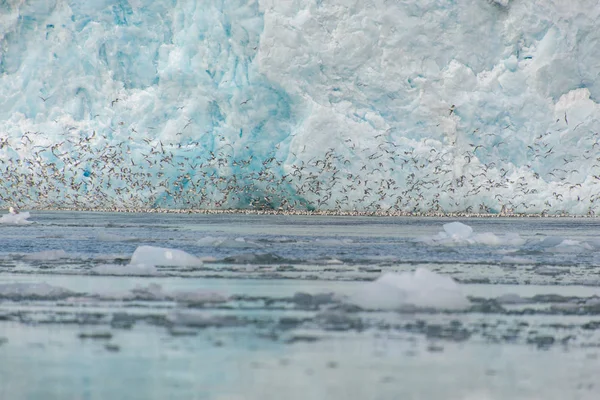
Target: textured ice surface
158	256
421	288
475	105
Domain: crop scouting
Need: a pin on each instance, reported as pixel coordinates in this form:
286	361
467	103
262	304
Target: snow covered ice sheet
412	106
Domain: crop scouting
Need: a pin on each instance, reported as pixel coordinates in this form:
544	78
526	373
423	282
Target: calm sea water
264	317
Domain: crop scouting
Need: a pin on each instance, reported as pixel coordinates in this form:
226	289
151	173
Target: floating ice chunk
210	241
151	292
130	269
458	230
16	219
487	238
240	242
48	255
457	233
570	246
513	239
38	291
421	289
159	256
550	241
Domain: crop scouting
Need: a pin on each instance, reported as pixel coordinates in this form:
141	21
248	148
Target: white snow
16	219
421	289
159	256
47	255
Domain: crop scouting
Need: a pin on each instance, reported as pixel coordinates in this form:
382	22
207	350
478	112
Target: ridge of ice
421	289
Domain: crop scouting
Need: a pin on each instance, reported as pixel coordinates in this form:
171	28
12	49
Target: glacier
487	106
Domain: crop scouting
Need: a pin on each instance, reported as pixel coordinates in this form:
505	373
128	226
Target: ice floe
129	269
47	255
16	218
160	256
187	297
457	233
33	291
422	289
240	242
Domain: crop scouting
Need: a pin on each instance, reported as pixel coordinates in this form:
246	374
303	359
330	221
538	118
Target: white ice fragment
159	256
47	255
421	289
16	219
209	241
570	246
458	230
240	242
151	292
487	238
456	233
513	239
126	270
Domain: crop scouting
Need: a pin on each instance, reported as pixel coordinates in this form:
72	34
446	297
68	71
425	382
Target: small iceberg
457	233
159	256
421	289
14	217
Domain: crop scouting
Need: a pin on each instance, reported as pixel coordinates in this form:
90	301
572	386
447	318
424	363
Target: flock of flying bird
138	172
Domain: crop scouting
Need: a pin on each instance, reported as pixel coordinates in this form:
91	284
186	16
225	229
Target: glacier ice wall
415	105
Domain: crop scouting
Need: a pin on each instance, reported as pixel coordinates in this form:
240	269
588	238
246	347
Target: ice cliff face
371	105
